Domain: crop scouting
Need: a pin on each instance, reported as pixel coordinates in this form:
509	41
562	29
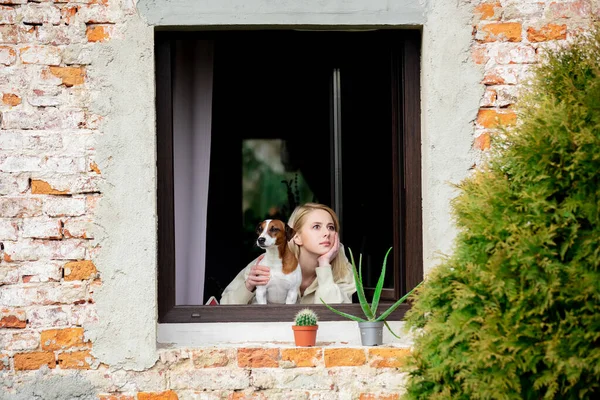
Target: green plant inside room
513	312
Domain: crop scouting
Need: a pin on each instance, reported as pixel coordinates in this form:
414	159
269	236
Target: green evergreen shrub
514	311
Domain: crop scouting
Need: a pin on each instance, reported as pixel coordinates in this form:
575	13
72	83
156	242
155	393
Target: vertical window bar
336	142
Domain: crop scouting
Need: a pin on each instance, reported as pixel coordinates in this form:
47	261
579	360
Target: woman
326	272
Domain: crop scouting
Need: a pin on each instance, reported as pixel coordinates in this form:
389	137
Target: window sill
269	334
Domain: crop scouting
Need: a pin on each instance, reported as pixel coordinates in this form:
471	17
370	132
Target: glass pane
367	162
271	189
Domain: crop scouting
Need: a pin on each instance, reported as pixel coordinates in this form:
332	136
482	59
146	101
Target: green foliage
514	311
370	310
306	317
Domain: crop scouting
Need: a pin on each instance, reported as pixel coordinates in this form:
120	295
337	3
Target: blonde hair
340	266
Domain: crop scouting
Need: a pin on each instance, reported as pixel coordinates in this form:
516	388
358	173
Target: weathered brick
11	140
211	378
492	118
4	362
45	97
27	34
45	13
8	230
490	11
64	206
59	35
521	10
78	54
512	53
32	250
49	118
9	274
503	75
73	184
167	395
46	55
295	379
479	54
8	15
569	9
20	163
48	316
75	360
60	339
303	357
78	141
506	95
482	142
41	271
42	187
46	78
11	99
94	167
64	164
99	33
499	31
547	32
97	14
70	75
47	294
344	357
35	360
258	358
22	340
68	13
13	184
80	270
42	228
489	98
379	396
80	228
20	207
84	314
8	55
115	396
388	357
13	318
9	34
210	358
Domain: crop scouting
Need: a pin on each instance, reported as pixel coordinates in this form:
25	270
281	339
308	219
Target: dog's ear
289	232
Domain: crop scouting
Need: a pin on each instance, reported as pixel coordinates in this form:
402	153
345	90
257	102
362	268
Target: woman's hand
326	258
259	275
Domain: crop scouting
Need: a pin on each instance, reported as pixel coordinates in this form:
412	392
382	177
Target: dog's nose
261	240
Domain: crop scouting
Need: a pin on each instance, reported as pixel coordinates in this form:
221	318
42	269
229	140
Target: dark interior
278	85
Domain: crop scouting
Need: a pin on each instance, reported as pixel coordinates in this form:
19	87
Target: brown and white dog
285	273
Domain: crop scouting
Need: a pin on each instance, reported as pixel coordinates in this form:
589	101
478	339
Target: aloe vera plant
370	310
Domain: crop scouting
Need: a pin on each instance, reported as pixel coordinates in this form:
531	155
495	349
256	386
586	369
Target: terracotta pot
305	335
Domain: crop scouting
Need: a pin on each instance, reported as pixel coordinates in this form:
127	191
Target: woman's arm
331	291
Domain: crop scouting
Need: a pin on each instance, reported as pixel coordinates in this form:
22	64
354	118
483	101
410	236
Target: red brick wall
508	38
49	191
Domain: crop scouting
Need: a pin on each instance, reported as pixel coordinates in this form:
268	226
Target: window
251	122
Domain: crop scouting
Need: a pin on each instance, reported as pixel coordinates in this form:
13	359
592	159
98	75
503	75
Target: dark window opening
331	117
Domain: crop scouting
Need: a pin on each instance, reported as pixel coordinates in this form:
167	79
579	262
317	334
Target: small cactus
306	317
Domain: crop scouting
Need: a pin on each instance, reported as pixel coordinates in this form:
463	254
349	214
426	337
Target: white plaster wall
126	334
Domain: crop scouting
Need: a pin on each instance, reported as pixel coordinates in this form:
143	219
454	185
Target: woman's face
316	235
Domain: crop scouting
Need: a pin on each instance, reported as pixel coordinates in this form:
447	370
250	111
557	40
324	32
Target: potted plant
371	326
305	328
